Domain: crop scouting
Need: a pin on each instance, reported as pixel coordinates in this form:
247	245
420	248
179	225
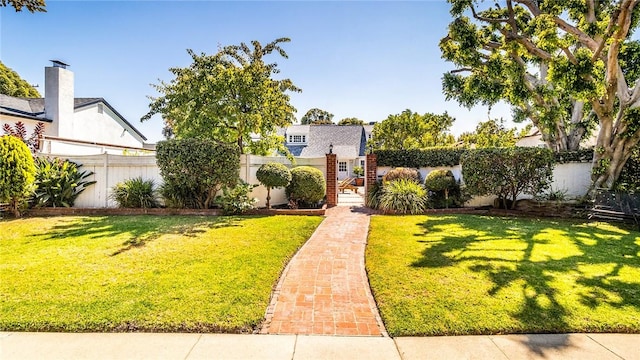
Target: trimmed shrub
307	186
17	173
273	175
403	196
194	170
440	183
432	157
135	193
402	173
59	182
507	172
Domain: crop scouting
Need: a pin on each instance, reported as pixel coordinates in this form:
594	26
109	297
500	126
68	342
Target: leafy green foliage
350	121
630	177
273	175
402	173
317	116
507	172
433	157
409	130
358	171
17	173
12	84
30	5
135	193
237	200
307	186
581	155
489	134
403	196
194	170
566	66
505	53
227	96
59	182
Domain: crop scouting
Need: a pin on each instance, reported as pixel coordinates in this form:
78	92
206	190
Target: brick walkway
324	290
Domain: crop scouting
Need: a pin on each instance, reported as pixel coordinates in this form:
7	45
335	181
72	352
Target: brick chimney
58	98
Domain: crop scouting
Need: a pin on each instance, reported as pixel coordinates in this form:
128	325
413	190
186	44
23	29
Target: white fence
571	178
111	169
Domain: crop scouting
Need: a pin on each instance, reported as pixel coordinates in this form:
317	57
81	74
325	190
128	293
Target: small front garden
467	274
143	273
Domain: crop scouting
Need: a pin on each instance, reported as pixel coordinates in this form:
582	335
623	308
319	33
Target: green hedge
419	158
435	157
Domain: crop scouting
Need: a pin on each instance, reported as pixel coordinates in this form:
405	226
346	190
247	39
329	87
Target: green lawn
465	274
143	273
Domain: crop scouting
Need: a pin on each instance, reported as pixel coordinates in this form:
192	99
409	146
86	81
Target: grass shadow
139	230
535	263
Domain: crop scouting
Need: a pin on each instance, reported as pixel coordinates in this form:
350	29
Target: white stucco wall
89	124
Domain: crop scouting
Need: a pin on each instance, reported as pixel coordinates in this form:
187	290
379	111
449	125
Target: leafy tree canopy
30	5
409	130
317	116
13	85
351	121
489	134
227	96
562	64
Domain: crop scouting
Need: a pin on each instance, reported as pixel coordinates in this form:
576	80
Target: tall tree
351	121
317	116
13	85
409	130
227	97
577	47
489	134
30	5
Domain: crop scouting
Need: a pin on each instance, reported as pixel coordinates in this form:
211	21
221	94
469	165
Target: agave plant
59	182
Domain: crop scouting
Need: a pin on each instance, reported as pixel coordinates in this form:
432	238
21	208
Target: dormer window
297	139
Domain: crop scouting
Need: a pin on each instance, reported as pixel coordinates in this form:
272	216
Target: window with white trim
362	163
297	138
342	166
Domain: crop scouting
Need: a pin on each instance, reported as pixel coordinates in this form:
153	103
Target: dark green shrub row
419	158
451	157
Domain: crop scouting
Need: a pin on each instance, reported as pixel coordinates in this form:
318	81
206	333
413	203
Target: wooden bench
346	185
616	206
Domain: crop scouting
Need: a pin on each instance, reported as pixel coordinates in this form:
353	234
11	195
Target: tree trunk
268	197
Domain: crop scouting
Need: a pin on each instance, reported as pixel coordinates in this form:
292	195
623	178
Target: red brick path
324	289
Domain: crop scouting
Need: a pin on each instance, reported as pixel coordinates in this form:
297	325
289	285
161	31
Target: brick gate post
332	180
371	173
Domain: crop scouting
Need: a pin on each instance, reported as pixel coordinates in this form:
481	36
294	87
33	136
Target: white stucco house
72	126
534	139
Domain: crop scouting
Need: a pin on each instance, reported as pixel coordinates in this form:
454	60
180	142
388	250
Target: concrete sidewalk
16	345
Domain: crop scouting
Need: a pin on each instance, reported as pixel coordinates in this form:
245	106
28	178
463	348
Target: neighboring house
534	139
347	142
73	126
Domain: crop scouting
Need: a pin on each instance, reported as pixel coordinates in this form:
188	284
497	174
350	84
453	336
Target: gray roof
34	108
348	141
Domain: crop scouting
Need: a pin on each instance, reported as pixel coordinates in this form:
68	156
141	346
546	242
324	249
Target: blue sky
364	59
